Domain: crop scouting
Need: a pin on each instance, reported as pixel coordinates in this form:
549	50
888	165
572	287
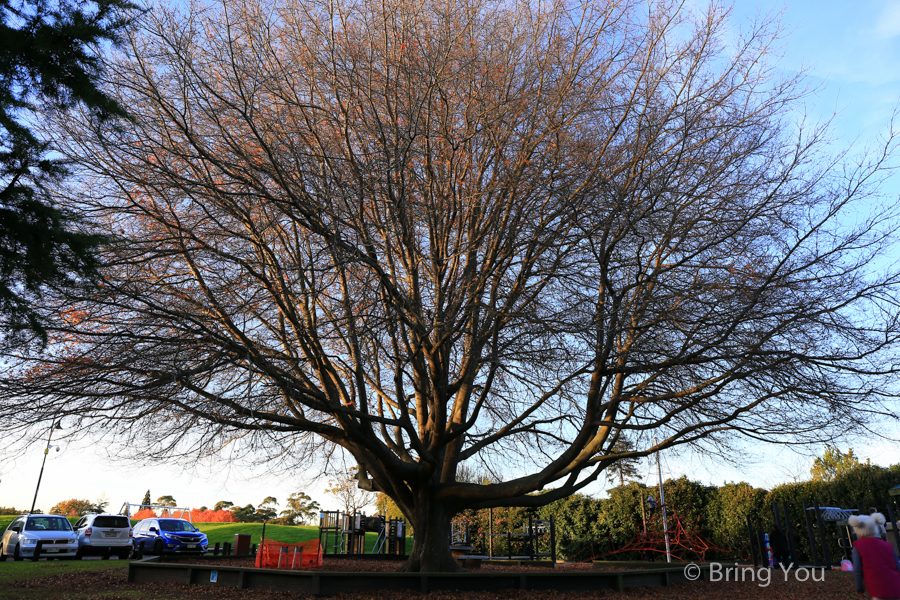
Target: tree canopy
624	468
345	489
78	508
833	464
501	234
48	59
301	510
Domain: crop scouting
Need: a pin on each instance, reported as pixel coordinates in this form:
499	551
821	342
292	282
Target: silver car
53	532
104	535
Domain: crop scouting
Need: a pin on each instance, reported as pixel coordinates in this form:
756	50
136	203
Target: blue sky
851	51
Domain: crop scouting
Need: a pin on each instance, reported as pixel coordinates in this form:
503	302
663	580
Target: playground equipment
341	533
825	526
659	538
537	541
170	512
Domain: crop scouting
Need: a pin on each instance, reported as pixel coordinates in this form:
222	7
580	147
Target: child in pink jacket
874	560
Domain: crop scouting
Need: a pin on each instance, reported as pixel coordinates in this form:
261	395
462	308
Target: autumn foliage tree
497	234
76	508
345	489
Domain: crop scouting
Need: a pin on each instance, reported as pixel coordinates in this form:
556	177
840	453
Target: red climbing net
685	543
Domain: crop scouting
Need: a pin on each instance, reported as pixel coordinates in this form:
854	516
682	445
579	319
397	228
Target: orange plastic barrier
277	555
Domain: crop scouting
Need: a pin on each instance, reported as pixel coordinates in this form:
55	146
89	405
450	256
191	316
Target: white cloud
888	23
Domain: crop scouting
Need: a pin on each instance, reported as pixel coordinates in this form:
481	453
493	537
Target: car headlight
27	540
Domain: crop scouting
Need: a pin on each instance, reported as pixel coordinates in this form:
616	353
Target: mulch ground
112	585
352	565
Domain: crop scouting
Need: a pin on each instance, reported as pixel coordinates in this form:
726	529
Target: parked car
20	540
104	535
169	536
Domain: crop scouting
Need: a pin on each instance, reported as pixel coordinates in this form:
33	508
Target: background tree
223	505
267	510
301	510
424	234
244	514
78	508
146	501
833	464
49	58
166	501
350	497
625	467
386	507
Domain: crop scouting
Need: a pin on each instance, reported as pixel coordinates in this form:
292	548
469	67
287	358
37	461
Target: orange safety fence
278	555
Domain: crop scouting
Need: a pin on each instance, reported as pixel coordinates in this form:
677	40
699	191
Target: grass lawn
224	532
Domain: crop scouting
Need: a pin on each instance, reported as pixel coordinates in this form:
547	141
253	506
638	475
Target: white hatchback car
104	535
53	532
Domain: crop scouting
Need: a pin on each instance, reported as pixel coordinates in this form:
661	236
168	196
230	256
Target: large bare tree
503	232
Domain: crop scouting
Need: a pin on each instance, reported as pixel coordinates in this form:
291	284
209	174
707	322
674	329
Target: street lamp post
46	451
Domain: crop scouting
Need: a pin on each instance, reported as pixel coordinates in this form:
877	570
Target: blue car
169	536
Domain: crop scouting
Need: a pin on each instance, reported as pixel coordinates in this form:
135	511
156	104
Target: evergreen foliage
624	469
718	514
301	509
48	60
833	464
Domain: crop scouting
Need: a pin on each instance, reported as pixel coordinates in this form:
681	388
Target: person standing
780	547
876	569
882	532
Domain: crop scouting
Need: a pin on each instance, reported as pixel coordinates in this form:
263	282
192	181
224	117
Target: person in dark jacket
780	547
876	569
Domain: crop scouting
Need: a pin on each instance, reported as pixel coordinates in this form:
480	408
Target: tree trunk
431	544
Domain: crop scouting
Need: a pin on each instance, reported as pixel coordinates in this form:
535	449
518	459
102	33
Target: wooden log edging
330	583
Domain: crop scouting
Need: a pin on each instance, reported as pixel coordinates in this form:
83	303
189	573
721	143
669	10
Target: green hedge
718	514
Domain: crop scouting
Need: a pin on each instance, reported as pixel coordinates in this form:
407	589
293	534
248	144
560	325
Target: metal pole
662	502
491	537
643	511
553	540
821	523
792	545
812	538
44	462
894	527
752	544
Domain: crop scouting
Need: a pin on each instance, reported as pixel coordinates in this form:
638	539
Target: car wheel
79	554
158	548
16	555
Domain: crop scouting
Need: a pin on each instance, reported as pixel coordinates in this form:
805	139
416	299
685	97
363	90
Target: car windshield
47	524
175	525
